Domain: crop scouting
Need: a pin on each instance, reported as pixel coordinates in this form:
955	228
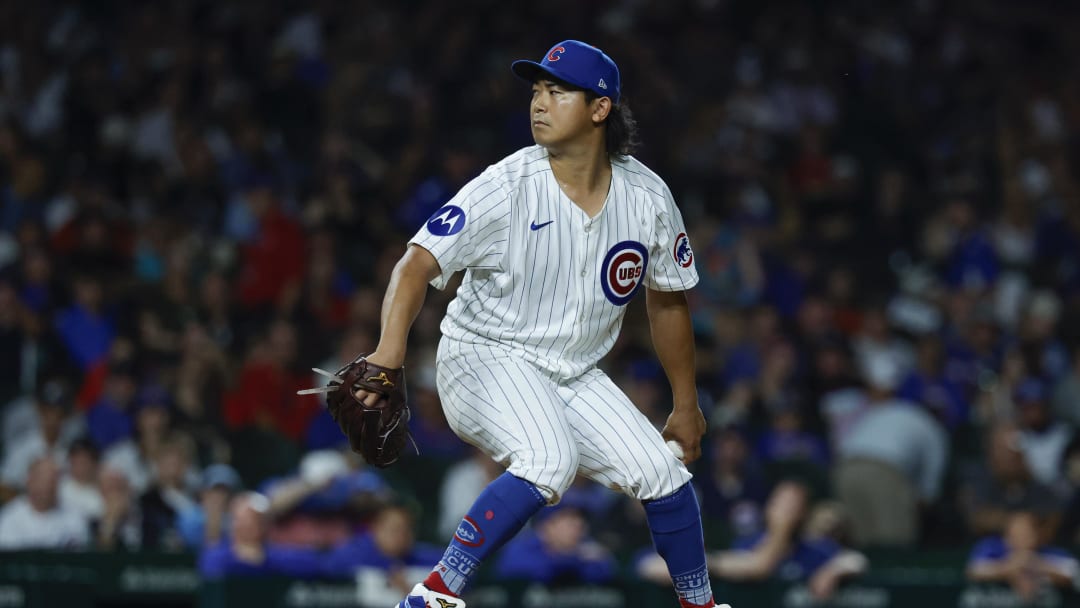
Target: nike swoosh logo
535	226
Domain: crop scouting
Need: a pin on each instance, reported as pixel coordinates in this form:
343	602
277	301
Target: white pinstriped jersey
541	277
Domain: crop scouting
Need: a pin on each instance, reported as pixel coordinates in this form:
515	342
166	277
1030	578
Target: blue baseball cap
576	63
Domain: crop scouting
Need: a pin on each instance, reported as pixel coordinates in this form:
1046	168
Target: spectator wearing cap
892	458
37	520
205	523
79	486
54	402
558	549
245	551
385	560
1042	438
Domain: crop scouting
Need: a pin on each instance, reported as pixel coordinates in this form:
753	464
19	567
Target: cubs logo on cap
623	271
578	64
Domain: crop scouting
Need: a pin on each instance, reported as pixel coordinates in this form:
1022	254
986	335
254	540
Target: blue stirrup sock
500	511
675	524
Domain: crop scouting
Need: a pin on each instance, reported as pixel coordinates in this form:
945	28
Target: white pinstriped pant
545	431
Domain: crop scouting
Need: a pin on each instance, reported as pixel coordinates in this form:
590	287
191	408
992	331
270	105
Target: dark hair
621	137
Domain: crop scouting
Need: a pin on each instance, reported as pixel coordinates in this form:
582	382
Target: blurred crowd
200	201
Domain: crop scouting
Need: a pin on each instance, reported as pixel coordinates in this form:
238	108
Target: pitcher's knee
661	476
551	471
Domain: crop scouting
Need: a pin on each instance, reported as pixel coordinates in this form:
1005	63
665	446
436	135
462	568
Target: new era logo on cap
578	64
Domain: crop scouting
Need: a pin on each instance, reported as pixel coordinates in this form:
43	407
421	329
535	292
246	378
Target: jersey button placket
585	259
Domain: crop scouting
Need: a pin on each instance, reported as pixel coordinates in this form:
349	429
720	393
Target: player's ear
601	107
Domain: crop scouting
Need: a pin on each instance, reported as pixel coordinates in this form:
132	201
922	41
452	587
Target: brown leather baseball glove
379	432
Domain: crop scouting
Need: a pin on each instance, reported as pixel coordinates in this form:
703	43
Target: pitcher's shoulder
520	165
637	175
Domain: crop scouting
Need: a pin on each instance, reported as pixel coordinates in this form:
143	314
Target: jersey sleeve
470	231
672	267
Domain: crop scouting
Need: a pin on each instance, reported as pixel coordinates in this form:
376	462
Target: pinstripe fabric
542	300
546	431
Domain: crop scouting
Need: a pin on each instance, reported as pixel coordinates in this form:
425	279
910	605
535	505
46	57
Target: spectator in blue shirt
386	560
109	421
1019	559
84	327
246	552
557	550
786	438
788	549
207	522
389	544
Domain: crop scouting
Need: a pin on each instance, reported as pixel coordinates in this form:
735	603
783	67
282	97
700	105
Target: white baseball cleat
422	597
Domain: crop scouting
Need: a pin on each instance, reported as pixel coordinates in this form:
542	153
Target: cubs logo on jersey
623	270
683	254
447	221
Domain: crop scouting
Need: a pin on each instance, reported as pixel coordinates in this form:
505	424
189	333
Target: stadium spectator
892	458
120	524
245	552
109	419
79	485
47	433
320	504
37	520
136	455
265	392
797	545
781	550
461	485
1002	485
557	549
733	487
206	522
168	495
385	558
1042	438
1020	558
1069	531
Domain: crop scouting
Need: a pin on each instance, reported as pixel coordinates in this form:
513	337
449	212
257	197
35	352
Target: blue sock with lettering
675	523
500	511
